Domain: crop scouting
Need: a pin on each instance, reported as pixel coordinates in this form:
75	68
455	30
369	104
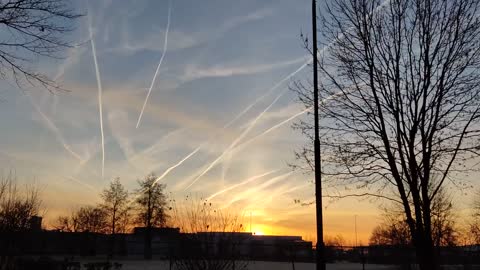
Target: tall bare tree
115	204
31	29
17	205
401	91
151	208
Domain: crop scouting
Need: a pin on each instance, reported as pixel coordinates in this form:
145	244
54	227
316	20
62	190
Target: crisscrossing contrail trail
237	140
165	45
251	179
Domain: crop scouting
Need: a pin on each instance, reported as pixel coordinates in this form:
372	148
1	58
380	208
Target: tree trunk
425	252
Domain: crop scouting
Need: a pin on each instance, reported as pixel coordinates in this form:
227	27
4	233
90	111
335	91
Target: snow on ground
256	265
261	265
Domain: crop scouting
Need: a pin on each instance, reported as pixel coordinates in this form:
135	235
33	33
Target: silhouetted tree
66	223
401	96
151	208
211	242
91	219
474	229
115	204
32	29
394	229
334	241
17	206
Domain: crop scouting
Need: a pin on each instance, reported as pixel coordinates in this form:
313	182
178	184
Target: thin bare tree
115	204
17	205
401	94
31	29
151	209
91	219
474	226
211	241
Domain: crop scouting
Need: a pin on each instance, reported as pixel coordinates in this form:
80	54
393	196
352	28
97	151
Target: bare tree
394	229
31	29
334	241
17	206
91	219
65	224
115	204
474	227
210	235
401	102
151	208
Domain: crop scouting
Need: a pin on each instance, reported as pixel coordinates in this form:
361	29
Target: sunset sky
217	122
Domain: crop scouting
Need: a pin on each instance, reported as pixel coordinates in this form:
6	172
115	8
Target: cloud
130	44
250	17
193	72
132	41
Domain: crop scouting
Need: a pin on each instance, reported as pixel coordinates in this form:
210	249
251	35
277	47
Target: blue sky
221	57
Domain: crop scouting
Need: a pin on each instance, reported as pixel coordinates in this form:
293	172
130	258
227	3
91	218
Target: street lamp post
320	255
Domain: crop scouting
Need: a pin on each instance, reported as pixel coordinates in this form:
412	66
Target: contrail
290	119
100	91
276	126
251	179
235	142
253	104
269	92
257	188
56	131
246	110
154	147
176	165
167	171
82	183
310	60
165	44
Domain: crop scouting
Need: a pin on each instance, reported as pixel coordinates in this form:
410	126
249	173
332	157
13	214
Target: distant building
167	243
35	223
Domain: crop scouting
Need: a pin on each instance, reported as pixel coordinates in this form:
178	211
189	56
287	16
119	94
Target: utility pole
356	239
250	221
320	255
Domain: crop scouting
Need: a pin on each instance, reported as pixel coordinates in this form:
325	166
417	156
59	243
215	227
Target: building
167	243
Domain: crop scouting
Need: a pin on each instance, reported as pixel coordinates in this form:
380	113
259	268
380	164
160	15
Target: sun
259	230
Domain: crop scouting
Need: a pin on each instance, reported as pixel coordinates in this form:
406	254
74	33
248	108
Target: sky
217	121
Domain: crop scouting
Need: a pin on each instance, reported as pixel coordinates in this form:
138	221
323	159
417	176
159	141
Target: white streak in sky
323	101
251	179
176	165
248	193
165	45
236	141
100	105
167	171
82	183
276	126
56	131
268	92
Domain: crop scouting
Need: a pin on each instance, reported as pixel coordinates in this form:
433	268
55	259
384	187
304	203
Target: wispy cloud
194	72
54	129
